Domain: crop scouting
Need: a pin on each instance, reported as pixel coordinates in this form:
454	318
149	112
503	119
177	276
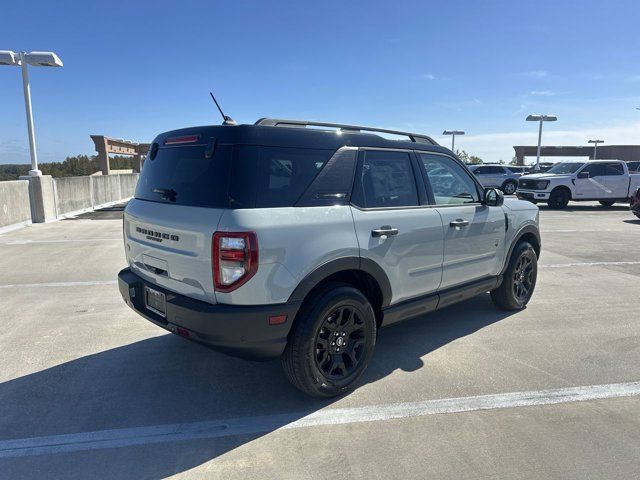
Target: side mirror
493	197
583	174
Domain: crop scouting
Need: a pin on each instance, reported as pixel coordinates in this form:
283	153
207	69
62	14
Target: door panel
392	227
412	259
594	186
615	180
475	250
473	233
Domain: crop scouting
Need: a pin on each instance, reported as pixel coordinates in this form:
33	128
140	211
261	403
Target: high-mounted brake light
235	259
180	140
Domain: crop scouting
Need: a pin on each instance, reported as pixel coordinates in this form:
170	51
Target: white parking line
337	416
60	284
587	264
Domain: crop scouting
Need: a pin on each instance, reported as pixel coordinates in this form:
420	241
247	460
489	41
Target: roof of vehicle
292	134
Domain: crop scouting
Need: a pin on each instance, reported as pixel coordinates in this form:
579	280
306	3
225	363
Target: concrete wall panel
14	202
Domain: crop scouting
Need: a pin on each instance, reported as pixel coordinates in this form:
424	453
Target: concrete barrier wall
15	207
80	193
73	194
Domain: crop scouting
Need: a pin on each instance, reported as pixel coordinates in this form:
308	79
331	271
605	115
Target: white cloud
537	74
543	93
427	76
499	146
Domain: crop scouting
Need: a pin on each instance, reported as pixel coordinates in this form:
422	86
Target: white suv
273	240
498	176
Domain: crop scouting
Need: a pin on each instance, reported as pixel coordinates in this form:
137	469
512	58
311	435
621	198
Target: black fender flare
341	264
532	229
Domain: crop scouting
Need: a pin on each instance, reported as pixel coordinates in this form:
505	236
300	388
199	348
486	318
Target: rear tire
519	280
331	342
607	203
509	187
559	198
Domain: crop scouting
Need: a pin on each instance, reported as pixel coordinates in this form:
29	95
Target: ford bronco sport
276	240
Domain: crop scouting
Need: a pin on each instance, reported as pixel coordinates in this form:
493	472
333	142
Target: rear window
238	176
182	175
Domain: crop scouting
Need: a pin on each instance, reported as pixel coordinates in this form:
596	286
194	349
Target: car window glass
386	180
594	169
613	169
450	183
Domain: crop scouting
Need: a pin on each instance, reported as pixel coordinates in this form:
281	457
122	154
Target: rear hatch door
179	200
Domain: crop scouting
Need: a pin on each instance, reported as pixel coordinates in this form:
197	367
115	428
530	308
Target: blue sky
134	69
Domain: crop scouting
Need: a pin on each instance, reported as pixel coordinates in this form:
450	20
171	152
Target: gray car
277	241
499	176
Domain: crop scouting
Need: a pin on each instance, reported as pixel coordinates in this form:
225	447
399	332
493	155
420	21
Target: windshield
565	167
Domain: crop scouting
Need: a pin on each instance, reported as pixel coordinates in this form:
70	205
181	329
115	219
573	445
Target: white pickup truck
607	181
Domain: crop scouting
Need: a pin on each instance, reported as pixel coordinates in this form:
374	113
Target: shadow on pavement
167	380
107	213
574	207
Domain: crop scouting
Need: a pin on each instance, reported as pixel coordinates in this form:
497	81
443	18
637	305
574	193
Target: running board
435	301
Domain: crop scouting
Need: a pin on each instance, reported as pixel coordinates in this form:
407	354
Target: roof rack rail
278	122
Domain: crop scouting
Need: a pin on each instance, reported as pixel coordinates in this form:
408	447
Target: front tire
519	280
607	203
331	342
559	199
509	187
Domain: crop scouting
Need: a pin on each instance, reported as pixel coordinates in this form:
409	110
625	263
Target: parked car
277	241
635	203
497	176
607	181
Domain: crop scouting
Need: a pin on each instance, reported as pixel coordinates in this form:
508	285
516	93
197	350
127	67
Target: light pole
21	59
595	147
453	134
541	119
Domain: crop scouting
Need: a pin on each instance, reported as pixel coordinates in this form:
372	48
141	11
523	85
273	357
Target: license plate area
155	301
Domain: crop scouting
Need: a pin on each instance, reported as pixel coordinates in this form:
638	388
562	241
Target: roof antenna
226	120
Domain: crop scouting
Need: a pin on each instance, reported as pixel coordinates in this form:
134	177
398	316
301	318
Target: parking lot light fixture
36	59
595	147
453	134
541	119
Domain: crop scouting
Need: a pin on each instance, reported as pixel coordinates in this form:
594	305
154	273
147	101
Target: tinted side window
285	173
449	181
385	179
495	170
594	169
613	169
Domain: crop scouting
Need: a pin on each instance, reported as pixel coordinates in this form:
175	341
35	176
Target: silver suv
499	176
274	240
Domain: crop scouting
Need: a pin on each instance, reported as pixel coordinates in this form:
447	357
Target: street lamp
37	59
595	147
453	134
541	119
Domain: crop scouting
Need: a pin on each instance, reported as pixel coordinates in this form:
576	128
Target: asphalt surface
90	390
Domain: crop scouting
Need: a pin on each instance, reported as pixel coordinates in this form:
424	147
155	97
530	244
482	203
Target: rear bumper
241	331
532	195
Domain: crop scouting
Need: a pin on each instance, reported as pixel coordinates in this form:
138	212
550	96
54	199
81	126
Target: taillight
235	259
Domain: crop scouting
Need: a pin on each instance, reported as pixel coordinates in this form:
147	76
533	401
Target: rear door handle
385	230
459	223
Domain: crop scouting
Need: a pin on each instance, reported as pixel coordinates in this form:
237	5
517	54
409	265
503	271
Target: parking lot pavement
90	390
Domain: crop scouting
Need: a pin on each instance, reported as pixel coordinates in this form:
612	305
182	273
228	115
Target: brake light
235	259
180	140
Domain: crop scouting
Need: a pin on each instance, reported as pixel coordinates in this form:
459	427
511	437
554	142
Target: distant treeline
71	167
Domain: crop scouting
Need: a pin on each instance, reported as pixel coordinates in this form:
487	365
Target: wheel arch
529	233
562	187
362	273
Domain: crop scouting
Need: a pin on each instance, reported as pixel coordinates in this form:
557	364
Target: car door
474	234
394	225
593	186
615	180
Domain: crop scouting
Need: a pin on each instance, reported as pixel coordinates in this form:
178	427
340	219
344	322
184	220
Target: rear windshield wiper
167	193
